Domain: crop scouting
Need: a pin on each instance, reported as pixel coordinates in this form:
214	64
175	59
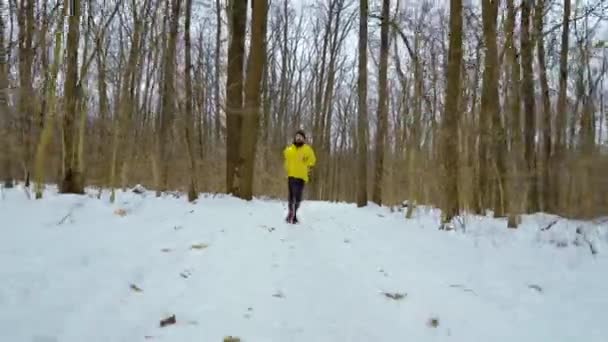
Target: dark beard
298	143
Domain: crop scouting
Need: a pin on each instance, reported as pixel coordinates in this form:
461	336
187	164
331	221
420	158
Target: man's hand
309	172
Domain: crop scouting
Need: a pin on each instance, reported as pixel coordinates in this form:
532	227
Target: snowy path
255	277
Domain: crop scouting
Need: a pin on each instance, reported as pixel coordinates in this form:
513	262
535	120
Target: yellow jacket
298	160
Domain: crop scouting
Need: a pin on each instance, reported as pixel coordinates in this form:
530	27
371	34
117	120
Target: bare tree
189	122
561	107
492	165
51	105
450	114
4	106
168	105
218	59
73	177
26	104
544	196
234	93
514	111
382	104
362	124
255	68
527	49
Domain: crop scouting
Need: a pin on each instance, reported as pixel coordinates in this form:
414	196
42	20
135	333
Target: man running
299	161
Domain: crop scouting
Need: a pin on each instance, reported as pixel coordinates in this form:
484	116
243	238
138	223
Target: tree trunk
449	130
545	195
189	122
558	195
73	177
255	70
122	126
5	114
514	110
413	147
382	104
218	52
492	133
26	94
529	108
362	124
103	100
234	93
168	107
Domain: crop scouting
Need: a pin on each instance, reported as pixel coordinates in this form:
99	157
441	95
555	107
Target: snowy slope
68	264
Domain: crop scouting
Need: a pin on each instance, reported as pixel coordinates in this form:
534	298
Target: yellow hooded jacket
298	160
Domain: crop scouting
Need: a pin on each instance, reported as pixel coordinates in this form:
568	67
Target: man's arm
285	166
312	159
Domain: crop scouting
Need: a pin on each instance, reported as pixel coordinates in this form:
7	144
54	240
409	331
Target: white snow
67	264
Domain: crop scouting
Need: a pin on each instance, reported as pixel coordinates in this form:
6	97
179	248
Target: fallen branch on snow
549	226
168	321
581	234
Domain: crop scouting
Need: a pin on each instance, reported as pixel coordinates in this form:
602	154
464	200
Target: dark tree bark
251	119
382	104
234	93
449	130
168	105
492	133
189	122
73	177
527	49
5	115
561	108
362	124
545	194
514	110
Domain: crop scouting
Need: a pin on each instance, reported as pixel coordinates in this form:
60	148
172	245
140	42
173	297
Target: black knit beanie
301	132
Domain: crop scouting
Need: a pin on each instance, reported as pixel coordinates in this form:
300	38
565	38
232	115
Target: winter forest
467	105
148	148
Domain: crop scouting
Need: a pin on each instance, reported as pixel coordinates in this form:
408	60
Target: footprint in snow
248	313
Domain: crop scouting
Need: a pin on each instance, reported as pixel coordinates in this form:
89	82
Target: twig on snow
580	232
548	226
69	214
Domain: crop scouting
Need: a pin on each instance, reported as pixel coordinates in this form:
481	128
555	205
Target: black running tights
296	188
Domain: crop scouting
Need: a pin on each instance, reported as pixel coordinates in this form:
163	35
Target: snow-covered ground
76	268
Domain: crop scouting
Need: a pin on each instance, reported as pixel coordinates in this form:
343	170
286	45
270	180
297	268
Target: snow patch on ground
77	268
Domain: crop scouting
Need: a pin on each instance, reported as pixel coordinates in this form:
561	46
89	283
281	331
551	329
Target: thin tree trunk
168	107
561	110
255	70
362	124
218	52
122	126
529	108
234	93
26	94
449	130
189	122
514	103
73	178
103	99
416	130
545	195
5	114
492	132
382	104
